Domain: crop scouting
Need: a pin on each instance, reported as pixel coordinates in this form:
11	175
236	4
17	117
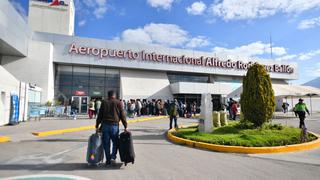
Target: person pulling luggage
110	114
300	109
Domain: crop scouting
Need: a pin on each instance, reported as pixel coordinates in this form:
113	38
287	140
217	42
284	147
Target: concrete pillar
205	122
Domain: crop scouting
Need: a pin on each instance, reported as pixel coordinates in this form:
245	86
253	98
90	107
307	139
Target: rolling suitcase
126	150
95	149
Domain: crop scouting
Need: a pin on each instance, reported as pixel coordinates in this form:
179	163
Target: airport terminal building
45	52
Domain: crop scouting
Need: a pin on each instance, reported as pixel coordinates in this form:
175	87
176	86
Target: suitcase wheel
125	164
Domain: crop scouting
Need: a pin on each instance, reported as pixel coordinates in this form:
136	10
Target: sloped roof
285	91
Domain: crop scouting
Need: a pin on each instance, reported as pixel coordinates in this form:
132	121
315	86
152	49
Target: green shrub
267	135
257	99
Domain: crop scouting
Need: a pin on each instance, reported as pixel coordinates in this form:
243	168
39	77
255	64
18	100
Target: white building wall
137	84
201	88
8	84
37	68
52	19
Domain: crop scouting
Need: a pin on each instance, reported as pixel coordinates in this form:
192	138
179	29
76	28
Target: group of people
136	107
232	108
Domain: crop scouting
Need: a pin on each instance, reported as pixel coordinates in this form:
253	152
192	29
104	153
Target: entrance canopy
285	90
200	88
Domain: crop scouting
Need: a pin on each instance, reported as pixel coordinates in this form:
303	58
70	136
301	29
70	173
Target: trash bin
216	119
223	118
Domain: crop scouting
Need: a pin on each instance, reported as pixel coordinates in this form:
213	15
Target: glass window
85	81
80	77
65	91
112	79
80	91
64	75
96	91
173	78
97	72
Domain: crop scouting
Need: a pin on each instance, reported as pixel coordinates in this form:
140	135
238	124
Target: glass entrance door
82	102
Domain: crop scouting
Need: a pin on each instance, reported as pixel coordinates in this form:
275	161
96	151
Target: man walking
173	113
300	109
111	112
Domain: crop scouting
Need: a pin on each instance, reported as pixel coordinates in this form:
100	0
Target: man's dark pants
302	116
110	132
175	121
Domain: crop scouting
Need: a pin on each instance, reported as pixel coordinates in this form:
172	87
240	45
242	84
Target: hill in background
313	83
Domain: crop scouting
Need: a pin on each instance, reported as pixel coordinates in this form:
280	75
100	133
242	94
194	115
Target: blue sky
232	27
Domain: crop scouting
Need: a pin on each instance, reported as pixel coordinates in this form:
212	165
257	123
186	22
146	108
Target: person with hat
300	109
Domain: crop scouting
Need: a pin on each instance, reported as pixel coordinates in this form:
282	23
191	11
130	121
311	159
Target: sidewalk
23	130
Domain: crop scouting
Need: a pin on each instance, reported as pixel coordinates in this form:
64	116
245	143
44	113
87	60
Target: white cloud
82	23
164	4
169	35
309	23
196	8
301	56
309	55
97	7
99	12
251	9
136	35
313	71
199	41
250	50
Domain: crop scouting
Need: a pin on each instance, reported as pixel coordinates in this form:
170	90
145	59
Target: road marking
46	176
84	128
4	139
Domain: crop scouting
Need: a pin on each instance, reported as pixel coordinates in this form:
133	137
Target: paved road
156	159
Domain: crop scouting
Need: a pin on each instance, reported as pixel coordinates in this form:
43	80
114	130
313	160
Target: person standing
74	109
110	114
91	108
230	102
300	109
158	107
194	108
97	106
173	112
139	107
234	110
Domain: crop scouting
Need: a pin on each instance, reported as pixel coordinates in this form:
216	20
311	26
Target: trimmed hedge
257	98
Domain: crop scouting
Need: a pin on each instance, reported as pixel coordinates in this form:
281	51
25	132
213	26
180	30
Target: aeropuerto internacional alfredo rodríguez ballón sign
172	59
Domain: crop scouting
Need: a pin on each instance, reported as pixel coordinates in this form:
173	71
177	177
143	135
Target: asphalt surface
156	158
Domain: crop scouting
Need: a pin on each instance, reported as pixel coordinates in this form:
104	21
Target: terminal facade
46	53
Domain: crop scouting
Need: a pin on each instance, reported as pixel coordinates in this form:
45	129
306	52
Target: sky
236	28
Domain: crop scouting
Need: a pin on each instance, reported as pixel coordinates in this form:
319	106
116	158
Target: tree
257	98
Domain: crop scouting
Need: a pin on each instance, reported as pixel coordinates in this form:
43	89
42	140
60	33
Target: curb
4	139
245	150
84	128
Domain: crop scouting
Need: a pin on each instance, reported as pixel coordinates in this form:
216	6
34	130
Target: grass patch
236	135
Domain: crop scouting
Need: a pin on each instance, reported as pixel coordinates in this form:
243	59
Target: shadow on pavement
62	140
58	167
148	137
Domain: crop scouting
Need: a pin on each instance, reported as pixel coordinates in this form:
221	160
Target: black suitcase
126	150
95	149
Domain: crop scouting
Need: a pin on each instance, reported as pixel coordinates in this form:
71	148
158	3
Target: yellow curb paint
84	128
246	150
4	139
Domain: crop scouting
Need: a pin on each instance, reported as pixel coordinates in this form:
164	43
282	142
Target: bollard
216	119
223	118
